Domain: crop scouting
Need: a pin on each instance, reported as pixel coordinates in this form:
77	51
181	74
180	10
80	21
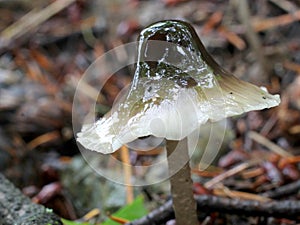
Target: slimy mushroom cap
177	87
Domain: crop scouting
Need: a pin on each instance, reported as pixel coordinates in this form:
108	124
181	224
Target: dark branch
157	217
279	209
282	191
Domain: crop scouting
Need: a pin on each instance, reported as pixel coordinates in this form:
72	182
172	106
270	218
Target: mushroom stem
184	204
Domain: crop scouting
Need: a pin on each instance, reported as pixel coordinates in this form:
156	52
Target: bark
17	209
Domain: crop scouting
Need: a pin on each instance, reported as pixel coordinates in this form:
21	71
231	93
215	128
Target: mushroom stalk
184	204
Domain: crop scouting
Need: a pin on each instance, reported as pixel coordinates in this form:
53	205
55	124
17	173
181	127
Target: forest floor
47	46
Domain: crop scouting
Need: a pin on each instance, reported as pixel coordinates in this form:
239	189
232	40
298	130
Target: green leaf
68	222
130	212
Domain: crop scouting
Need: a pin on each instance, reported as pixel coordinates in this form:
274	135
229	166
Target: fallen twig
292	66
237	169
232	37
270	145
50	136
225	192
252	37
30	21
269	23
284	190
127	174
279	209
285	5
158	216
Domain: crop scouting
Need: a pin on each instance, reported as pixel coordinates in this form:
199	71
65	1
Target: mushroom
176	88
